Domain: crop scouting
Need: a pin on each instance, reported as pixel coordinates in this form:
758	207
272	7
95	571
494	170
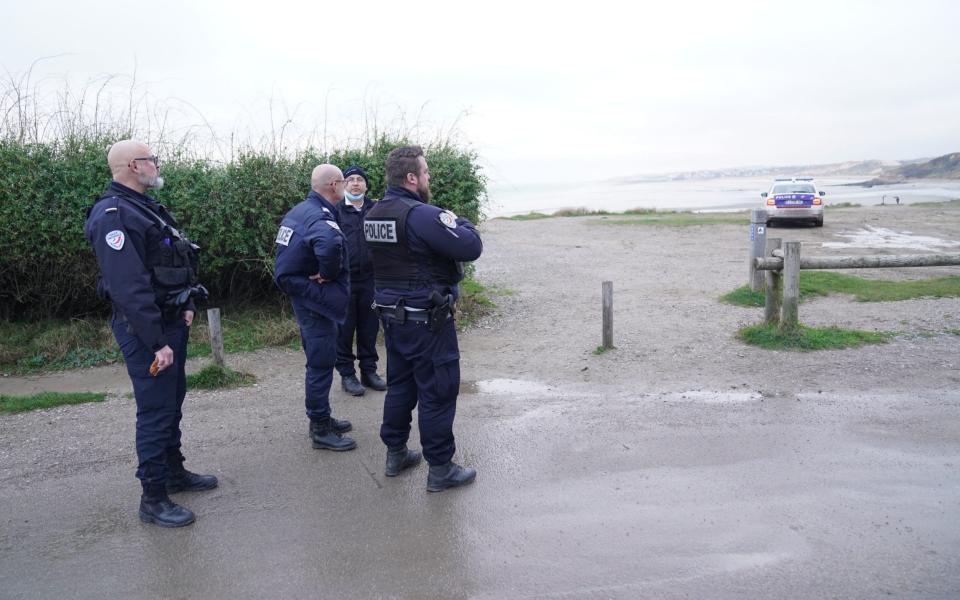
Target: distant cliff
942	167
884	172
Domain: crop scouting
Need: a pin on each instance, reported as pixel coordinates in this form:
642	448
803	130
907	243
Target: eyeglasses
154	159
355	179
336	181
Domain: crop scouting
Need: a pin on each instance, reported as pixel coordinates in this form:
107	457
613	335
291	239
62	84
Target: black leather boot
325	437
373	381
449	475
340	426
156	507
352	386
182	480
399	459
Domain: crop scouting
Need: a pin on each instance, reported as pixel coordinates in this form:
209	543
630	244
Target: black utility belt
433	318
407	315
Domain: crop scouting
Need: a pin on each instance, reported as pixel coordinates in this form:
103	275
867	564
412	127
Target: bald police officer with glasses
148	273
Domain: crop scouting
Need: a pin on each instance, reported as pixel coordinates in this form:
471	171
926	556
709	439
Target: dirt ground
682	463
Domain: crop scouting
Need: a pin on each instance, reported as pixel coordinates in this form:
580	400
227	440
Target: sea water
717	194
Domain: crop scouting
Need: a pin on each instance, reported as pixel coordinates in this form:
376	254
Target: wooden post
758	236
791	286
774	286
216	335
607	288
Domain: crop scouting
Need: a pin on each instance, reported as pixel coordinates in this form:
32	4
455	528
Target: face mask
352	197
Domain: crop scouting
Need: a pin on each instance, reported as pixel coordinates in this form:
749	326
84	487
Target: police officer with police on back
149	274
417	254
312	267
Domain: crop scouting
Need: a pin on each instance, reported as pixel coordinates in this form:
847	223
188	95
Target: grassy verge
679	219
645	216
474	302
955	203
807	339
843	205
57	345
14	404
54	345
247	329
214	377
533	216
822	283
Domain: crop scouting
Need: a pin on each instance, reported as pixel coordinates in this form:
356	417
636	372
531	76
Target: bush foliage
231	210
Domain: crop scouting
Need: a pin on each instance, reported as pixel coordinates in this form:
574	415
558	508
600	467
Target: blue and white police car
794	199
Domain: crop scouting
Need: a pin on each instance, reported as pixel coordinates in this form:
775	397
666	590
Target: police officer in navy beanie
417	254
312	268
362	320
148	271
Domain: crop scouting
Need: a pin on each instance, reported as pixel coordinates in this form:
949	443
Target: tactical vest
395	265
173	265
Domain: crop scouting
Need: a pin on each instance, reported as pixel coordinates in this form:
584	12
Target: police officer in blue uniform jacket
148	272
312	267
418	250
361	318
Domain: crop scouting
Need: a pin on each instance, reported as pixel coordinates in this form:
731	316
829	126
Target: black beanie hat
355	170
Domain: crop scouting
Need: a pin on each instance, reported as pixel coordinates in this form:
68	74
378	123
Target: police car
794	199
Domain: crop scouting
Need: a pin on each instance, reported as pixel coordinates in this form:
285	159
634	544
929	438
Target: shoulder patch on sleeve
115	239
112	209
283	236
334	225
449	219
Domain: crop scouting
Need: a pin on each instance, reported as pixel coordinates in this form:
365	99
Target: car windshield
793	188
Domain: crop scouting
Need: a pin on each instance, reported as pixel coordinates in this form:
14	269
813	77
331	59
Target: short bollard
216	335
758	245
607	314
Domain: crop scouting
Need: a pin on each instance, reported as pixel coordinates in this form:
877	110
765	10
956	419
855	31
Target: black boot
325	437
340	426
373	381
449	475
352	386
400	458
182	480
156	507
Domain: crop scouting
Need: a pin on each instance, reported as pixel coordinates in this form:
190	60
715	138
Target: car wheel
818	222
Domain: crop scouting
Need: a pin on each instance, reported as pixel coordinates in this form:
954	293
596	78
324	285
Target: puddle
879	237
503	386
708	397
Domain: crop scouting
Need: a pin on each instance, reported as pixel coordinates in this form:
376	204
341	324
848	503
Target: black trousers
159	399
361	321
423	367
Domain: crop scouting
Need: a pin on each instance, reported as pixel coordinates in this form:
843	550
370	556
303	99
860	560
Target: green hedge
232	210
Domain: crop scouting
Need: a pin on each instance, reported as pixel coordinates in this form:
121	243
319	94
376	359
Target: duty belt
433	317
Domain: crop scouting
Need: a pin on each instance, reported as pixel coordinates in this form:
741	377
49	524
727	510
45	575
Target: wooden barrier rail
783	266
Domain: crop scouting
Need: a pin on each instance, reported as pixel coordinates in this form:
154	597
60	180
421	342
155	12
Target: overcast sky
545	92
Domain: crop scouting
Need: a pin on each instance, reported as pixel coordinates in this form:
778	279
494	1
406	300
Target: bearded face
423	190
154	182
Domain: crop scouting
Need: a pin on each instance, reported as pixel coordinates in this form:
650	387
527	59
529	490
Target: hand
188	317
318	278
164	358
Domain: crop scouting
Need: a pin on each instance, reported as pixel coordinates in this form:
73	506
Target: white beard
152	183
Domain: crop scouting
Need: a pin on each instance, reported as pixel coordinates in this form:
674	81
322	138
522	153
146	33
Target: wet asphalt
583	492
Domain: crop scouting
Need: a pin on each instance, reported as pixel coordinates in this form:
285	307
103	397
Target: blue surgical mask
352	197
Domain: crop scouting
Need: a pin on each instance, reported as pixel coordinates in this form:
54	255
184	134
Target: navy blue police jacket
310	242
128	244
427	236
351	223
